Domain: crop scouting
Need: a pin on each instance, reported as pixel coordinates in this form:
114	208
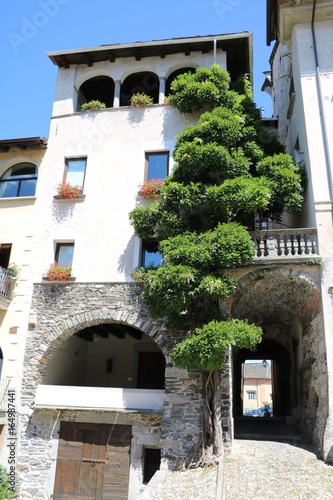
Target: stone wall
58	311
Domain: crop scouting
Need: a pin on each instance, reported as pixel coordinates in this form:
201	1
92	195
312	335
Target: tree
228	167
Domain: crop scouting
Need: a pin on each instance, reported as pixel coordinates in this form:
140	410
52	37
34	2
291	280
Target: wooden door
93	462
151	370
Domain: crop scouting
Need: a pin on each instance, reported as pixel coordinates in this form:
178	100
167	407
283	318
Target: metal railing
5	283
285	244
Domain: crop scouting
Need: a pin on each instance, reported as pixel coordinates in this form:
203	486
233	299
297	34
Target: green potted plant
139	100
13	270
151	188
65	191
93	105
58	273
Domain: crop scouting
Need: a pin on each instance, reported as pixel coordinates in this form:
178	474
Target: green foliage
140	100
168	289
226	246
203	89
205	347
285	177
144	220
228	167
5	490
93	105
247	194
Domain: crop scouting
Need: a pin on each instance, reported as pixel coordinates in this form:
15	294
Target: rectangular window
64	254
150	256
251	395
109	365
75	169
151	463
5	250
157	165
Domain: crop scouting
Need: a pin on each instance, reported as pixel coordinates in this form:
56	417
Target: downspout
214	61
321	106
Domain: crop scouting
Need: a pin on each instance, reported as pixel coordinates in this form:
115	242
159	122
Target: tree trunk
212	440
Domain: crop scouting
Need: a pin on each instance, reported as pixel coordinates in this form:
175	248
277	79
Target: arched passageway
286	303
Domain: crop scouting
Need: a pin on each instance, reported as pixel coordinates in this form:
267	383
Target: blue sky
30	28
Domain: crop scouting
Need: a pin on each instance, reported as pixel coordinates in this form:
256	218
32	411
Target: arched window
19	180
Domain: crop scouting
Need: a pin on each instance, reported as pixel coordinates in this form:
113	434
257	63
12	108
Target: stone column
162	90
116	98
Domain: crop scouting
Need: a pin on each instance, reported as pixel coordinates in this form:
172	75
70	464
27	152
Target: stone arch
265	292
286	303
55	326
96	86
66	328
146	82
177	71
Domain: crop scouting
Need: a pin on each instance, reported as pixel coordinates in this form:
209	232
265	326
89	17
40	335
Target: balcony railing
5	283
285	244
4	384
101	398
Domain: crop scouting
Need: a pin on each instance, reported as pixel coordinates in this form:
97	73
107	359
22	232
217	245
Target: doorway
93	461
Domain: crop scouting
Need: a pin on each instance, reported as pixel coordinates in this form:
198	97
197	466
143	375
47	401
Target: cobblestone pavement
267	470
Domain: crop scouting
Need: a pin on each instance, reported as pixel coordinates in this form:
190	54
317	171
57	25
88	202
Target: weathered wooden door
93	462
151	370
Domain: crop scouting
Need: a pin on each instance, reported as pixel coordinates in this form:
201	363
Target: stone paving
268	470
253	470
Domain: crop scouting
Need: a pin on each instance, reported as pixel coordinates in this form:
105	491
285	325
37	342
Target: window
64	254
75	169
19	180
150	256
109	365
157	165
5	250
151	463
251	395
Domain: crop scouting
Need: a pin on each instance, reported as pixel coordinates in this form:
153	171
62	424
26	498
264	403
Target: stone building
300	83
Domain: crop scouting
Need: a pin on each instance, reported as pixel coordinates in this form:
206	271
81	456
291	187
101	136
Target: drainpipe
214	62
321	105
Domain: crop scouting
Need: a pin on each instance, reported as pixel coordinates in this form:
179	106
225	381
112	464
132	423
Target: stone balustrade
5	283
285	244
4	384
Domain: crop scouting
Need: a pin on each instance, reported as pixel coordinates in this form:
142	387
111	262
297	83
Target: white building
101	405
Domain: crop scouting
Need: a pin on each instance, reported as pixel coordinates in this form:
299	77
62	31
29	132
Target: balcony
6	287
4	384
98	398
285	244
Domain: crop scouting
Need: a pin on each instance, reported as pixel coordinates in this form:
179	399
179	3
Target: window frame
145	242
149	154
19	179
58	247
252	393
69	159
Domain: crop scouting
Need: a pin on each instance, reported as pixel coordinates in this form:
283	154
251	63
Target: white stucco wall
114	142
69	80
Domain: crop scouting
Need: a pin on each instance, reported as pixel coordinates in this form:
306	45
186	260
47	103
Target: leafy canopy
228	166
